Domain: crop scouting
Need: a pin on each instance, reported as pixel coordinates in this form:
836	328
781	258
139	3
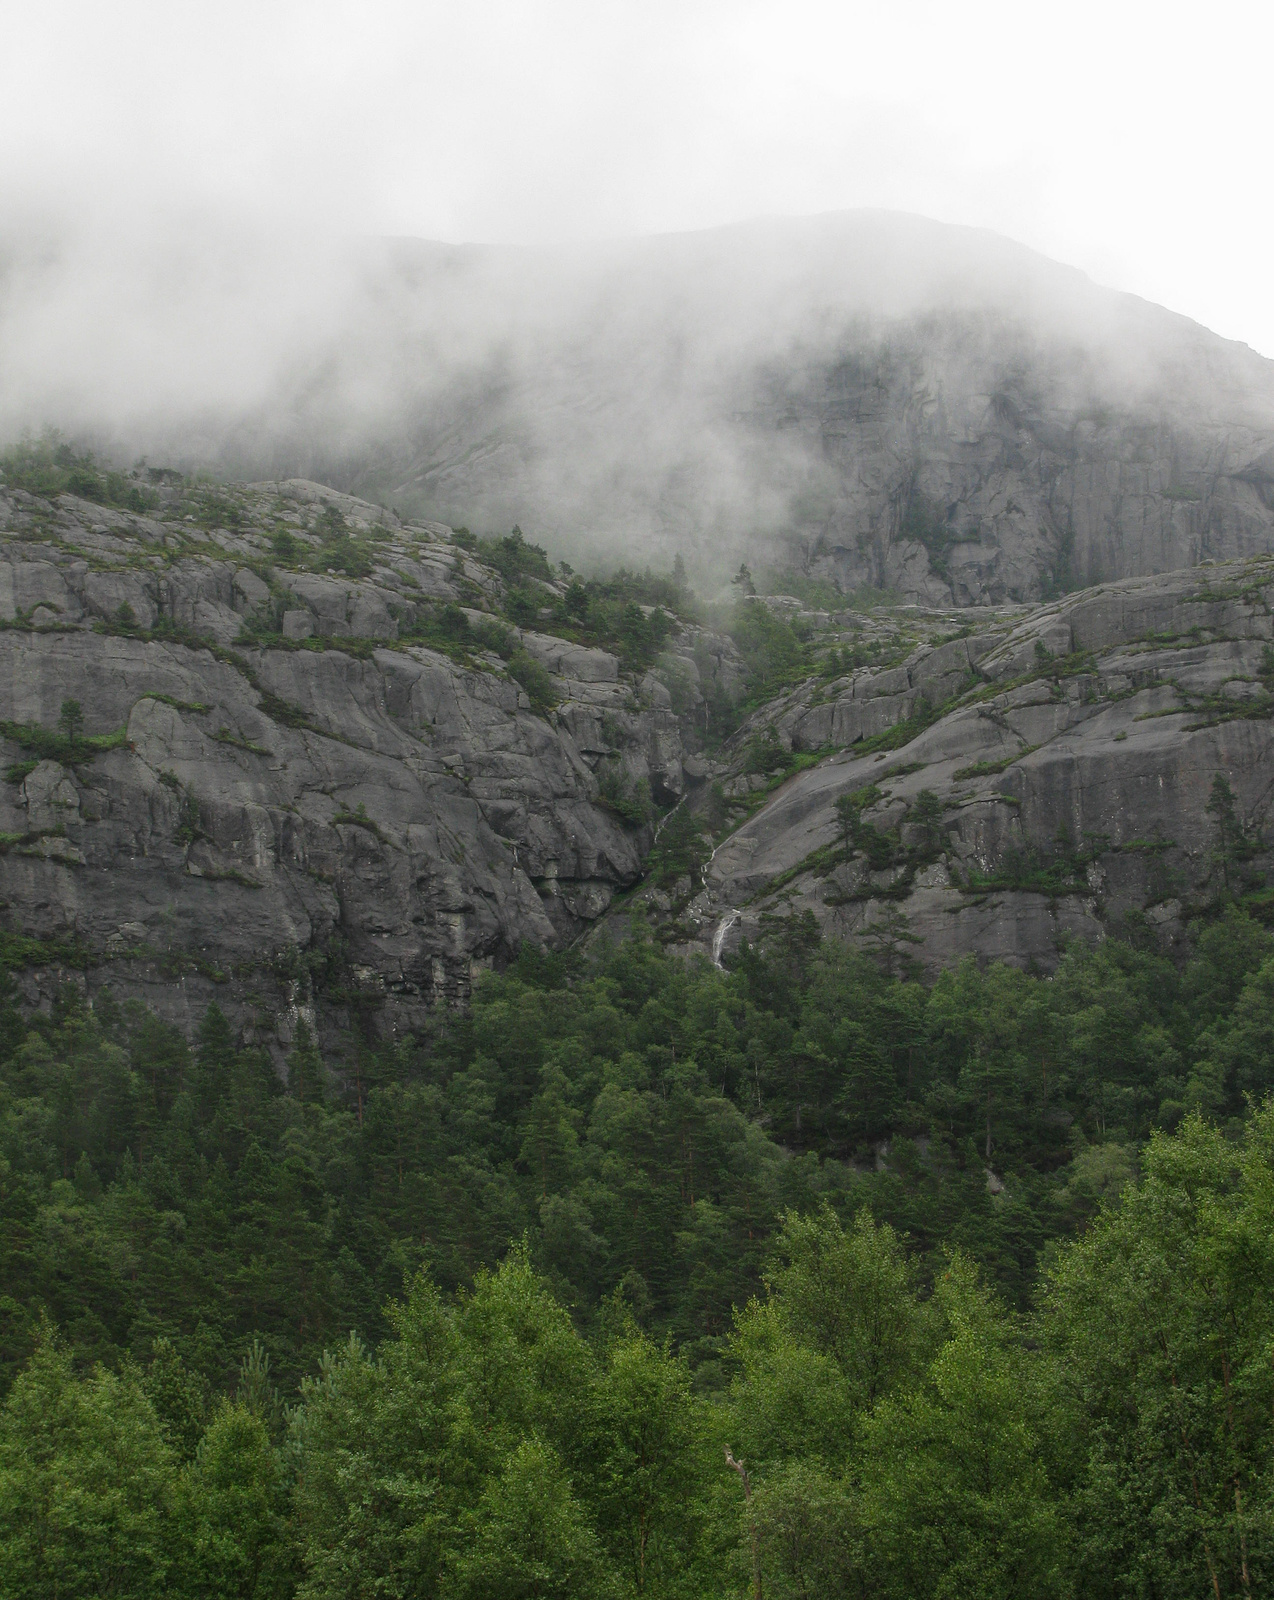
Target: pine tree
214	1059
1232	844
71	721
848	813
306	1073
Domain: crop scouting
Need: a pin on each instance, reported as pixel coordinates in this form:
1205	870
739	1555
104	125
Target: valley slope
1103	763
237	771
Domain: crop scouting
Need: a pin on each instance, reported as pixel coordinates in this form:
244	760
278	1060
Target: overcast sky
1132	140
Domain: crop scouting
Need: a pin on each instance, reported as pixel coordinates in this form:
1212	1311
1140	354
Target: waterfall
718	938
659	826
707	866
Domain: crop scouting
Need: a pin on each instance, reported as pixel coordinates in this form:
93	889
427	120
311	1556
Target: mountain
303	1230
865	399
276	746
235	771
1103	764
869	399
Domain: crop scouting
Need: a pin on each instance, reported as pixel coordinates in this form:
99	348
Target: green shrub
528	672
512	557
523	607
68	747
772	650
681	848
345	555
52	467
764	754
618	793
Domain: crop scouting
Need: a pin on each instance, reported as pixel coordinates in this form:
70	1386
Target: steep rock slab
1071	790
344	831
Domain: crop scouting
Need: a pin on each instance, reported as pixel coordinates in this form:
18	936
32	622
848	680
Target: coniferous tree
306	1073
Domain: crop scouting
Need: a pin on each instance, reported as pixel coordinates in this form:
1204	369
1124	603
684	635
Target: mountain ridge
866	399
871	399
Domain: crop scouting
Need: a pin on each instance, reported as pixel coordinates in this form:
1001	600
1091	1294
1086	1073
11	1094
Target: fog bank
746	391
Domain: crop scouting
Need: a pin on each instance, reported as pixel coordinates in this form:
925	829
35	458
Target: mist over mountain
869	398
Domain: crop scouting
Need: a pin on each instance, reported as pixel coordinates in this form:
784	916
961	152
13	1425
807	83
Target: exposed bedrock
295	831
271	796
1077	796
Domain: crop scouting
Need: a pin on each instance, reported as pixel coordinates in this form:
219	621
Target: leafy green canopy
755	1214
639	1120
895	1437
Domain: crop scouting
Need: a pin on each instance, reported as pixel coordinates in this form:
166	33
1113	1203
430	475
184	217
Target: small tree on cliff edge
71	721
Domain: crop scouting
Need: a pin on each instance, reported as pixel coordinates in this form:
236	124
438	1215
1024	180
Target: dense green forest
802	1278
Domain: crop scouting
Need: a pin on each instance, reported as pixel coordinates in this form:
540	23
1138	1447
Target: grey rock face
279	801
356	829
1073	779
971	469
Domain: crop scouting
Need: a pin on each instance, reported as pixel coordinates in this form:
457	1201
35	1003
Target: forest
804	1278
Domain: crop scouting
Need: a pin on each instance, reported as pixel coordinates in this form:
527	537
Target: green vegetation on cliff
52	467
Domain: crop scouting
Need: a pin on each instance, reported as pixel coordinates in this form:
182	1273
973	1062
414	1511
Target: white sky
1130	139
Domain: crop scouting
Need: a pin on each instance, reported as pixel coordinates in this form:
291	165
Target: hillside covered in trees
645	1277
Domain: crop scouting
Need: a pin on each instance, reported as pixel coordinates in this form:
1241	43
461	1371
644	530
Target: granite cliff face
235	773
271	799
1106	762
966	470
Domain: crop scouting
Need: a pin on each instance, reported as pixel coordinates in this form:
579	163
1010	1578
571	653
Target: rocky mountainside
1103	763
275	746
263	791
867	399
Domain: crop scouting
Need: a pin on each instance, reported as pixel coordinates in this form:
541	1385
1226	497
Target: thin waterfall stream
719	937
